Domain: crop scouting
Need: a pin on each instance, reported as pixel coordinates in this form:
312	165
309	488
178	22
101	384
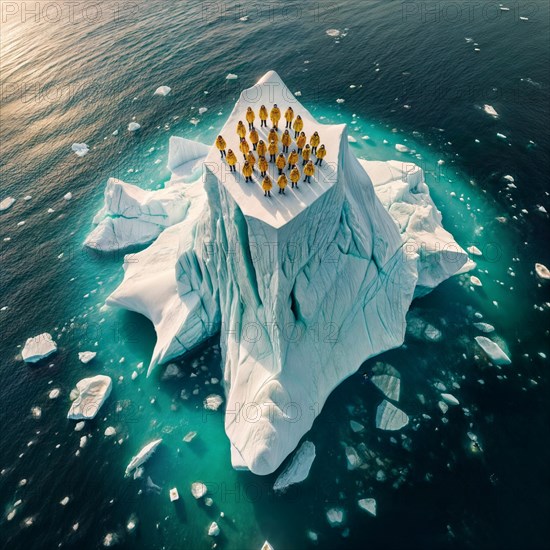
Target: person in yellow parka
298	126
273	149
314	142
251	159
263	166
244	147
250	117
267	186
263	116
321	154
247	172
295	176
254	138
289	117
292	158
273	136
282	182
286	140
300	142
262	148
241	130
281	163
275	116
221	145
306	154
309	171
231	160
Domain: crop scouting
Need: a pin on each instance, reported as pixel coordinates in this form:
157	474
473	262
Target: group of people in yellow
303	148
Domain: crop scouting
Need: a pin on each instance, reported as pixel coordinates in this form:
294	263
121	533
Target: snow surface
343	256
38	348
92	393
299	467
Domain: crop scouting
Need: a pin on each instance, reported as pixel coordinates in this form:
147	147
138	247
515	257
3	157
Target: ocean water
77	74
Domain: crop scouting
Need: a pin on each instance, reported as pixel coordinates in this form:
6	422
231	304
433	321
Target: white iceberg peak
38	347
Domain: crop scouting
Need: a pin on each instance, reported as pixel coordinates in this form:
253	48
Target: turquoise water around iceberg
66	82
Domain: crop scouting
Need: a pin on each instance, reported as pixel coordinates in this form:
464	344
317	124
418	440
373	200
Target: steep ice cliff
302	288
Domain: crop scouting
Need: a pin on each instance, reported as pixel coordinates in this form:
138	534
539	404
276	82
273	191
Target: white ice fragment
475	281
333	32
38	348
489	109
83	441
163	90
109	431
142	457
213	402
299	467
68	196
79	426
202	110
266	546
388	382
474	250
484	327
174	495
213	530
402	148
450	399
493	350
86	356
133	127
80	149
65	501
501	136
389	417
54	394
36	413
542	272
340	100
335	516
356	426
198	489
368	504
443	406
91	394
231	76
6	203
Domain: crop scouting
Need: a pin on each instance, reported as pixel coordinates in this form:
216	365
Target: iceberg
368	504
163	90
389	417
302	288
298	469
38	348
542	272
133	127
493	350
387	380
80	149
91	394
143	456
86	356
6	203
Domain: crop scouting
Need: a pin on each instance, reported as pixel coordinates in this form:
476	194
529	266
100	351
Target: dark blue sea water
76	72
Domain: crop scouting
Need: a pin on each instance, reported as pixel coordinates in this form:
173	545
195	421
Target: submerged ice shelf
302	287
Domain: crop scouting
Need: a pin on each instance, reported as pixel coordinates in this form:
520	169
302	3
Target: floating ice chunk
493	350
509	178
387	380
542	272
202	110
6	203
213	530
92	393
333	32
109	431
489	109
213	402
143	456
267	546
340	100
83	441
163	90
402	148
79	426
502	8
484	327
27	198
68	196
65	501
523	18
198	489
132	523
231	76
111	539
133	127
299	467
475	281
80	149
356	426
86	356
187	438
38	348
335	517
450	399
354	461
36	413
369	505
501	136
474	250
443	406
54	394
351	139
389	417
174	495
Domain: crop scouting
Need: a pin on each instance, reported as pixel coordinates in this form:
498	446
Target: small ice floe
244	18
172	371
369	505
51	210
352	457
351	139
86	356
340	100
111	539
389	417
231	76
267	546
27	198
335	517
174	495
490	110
502	8
501	136
65	501
8	202
79	426
484	327
213	402
36	413
143	456
298	469
298	93
38	348
450	399
333	32
187	438
213	530
83	441
387	380
402	148
80	149
132	523
194	121
133	127
509	178
356	427
91	393
198	489
443	406
475	281
474	250
109	431
493	350
54	394
542	272
202	110
163	90
68	196
523	18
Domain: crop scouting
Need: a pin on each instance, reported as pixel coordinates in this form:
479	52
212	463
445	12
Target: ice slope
302	288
